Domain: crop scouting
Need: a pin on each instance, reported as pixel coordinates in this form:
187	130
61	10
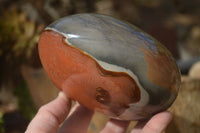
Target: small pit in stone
102	95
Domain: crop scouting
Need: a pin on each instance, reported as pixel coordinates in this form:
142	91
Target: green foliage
1	123
18	36
26	105
18	39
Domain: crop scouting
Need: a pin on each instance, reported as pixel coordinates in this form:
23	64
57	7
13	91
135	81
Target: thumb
50	116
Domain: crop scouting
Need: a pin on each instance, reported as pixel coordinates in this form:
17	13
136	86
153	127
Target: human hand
51	115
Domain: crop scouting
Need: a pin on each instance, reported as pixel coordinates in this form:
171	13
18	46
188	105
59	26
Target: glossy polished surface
109	66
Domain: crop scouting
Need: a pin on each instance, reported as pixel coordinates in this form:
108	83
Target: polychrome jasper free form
109	66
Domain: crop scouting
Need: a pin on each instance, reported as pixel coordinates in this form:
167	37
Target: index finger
158	123
155	125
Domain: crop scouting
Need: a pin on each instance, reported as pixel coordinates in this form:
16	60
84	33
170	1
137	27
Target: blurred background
24	86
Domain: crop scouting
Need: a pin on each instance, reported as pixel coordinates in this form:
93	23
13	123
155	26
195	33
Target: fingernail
62	95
